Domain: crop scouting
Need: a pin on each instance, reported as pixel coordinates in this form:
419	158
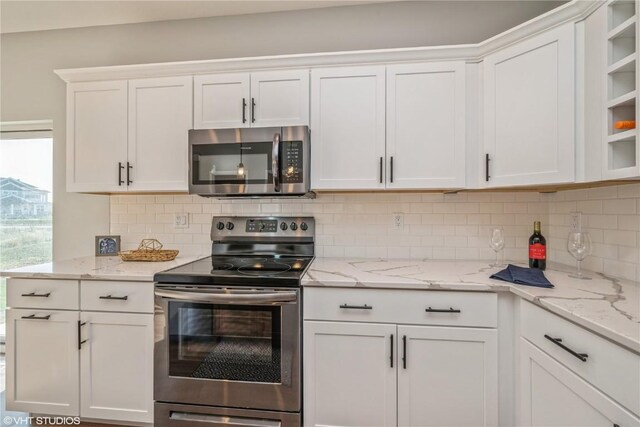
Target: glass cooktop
281	271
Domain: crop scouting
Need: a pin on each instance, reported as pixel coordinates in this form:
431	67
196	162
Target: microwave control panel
292	168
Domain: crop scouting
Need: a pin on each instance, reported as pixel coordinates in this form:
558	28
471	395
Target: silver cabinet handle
272	298
276	162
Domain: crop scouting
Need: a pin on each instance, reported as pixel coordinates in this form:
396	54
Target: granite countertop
608	306
98	268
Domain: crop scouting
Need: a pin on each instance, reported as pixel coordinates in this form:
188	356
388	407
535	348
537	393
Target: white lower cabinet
447	376
116	369
372	374
42	361
348	373
552	395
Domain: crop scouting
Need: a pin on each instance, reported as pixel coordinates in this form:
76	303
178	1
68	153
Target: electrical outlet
181	220
576	221
398	221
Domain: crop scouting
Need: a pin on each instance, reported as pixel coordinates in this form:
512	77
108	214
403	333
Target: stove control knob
293	226
230	226
304	226
262	226
220	225
283	226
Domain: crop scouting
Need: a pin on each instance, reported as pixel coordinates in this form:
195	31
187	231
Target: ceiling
22	15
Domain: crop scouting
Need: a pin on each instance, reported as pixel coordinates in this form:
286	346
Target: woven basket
149	250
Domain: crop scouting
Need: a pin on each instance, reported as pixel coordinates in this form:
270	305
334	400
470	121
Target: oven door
231	347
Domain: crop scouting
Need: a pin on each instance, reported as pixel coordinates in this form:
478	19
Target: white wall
31	91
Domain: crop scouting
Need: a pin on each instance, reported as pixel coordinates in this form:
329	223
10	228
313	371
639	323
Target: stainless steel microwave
249	162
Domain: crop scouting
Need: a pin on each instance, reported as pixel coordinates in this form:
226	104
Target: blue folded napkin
523	276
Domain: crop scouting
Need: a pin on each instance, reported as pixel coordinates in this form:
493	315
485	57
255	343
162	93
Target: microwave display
292	169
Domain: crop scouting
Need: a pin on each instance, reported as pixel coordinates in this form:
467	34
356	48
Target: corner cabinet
128	135
529	108
260	99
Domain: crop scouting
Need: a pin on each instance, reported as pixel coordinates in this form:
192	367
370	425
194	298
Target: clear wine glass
497	243
579	246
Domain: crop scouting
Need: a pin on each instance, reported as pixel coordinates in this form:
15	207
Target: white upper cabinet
426	125
273	98
280	98
221	101
529	111
348	128
160	112
96	136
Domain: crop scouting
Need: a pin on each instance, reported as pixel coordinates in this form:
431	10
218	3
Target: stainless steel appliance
228	327
249	162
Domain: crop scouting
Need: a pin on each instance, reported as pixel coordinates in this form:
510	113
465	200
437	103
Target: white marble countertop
98	268
608	306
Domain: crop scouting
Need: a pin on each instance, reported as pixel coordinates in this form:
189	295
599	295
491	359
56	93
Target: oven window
222	342
248	163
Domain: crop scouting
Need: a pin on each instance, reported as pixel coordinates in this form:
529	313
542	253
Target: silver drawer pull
124	298
356	307
442	310
34	317
222	420
34	295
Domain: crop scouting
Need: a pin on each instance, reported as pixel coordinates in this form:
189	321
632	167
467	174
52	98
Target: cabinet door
349	374
221	101
529	110
347	128
280	98
42	361
96	135
426	125
117	367
552	395
160	112
449	376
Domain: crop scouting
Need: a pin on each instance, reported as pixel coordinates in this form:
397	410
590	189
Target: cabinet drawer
607	366
133	297
43	293
397	306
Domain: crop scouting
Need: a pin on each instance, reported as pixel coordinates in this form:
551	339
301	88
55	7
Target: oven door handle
275	168
271	298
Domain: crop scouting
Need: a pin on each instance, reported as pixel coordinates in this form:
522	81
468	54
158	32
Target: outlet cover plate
181	220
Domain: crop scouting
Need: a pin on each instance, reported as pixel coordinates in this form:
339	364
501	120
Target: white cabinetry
447	377
552	395
274	98
128	136
353	380
355	354
96	135
348	128
529	101
42	361
117	366
426	125
159	121
95	364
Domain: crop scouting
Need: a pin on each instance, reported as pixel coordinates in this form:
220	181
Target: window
26	184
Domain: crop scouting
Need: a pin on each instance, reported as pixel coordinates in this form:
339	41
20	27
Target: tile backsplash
434	225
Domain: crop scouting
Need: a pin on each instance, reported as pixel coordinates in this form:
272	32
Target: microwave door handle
276	162
274	298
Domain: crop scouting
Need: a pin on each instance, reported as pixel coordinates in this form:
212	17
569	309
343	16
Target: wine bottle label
538	251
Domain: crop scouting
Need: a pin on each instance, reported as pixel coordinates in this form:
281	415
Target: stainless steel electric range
228	327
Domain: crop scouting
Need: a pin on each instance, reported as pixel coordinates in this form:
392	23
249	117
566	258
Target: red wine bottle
537	248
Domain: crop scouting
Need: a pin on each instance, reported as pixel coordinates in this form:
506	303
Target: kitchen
397	154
